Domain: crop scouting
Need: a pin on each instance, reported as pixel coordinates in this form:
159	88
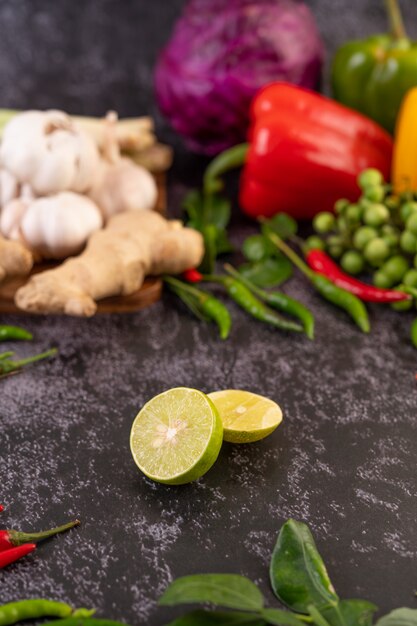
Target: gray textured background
343	459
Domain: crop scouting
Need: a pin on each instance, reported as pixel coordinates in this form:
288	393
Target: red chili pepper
14	554
321	263
14	538
306	151
192	276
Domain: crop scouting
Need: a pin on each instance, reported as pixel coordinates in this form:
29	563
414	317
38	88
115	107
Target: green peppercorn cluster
376	234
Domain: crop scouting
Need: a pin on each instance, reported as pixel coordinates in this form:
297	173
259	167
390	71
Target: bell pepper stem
395	19
228	160
18	538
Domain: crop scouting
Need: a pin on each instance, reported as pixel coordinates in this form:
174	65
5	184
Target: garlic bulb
120	184
59	226
9	187
11	217
123	186
48	151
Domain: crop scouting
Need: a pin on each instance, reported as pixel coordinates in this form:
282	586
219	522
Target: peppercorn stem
18	538
395	19
293	256
37	357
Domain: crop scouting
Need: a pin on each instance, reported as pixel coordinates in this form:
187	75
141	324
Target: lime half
246	416
177	436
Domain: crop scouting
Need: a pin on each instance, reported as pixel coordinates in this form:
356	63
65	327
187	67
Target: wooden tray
149	293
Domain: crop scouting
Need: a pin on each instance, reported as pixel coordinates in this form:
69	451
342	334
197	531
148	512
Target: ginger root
15	259
115	262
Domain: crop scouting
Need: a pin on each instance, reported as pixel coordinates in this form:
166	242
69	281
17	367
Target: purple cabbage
221	53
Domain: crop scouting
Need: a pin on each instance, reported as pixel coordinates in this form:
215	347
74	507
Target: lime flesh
246	416
176	437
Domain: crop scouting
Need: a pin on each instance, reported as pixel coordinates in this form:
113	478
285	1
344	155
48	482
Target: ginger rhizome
115	262
15	259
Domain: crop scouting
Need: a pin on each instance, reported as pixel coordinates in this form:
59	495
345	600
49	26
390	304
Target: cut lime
177	436
246	416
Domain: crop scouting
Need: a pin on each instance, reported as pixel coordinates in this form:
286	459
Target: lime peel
176	437
246	416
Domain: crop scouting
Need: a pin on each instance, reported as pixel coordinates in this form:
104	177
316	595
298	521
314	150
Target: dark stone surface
343	460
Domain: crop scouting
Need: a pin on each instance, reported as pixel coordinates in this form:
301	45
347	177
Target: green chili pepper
414	333
7	366
205	306
84	621
278	300
337	296
252	305
9	333
14	612
373	75
228	160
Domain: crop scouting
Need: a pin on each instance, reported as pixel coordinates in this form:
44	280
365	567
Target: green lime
176	437
376	251
408	242
375	193
323	222
340	205
375	215
364	235
314	243
410	278
407	209
402	305
246	416
381	280
335	251
353	214
352	262
411	224
395	268
371	176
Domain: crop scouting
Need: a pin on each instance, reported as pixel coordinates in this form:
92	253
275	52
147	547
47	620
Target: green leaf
217	210
223	244
210	249
282	225
217	618
267	273
257	247
277	617
399	617
317	617
193	206
351	613
298	575
226	590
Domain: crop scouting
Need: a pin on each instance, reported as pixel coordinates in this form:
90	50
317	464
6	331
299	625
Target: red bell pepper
305	152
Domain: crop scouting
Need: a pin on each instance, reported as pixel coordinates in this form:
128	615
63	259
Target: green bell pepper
373	75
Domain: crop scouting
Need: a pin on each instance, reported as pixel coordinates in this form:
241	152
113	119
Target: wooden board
149	293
